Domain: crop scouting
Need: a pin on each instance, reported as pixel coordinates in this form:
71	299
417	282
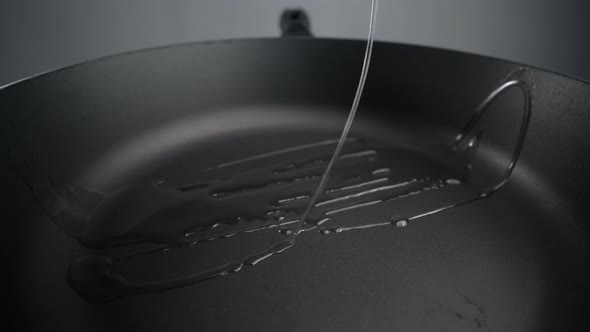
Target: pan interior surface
160	217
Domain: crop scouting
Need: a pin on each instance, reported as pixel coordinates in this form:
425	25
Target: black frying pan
140	184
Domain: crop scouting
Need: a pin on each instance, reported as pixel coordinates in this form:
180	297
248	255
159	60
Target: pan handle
295	23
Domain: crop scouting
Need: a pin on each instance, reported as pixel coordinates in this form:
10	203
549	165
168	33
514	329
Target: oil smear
279	194
265	196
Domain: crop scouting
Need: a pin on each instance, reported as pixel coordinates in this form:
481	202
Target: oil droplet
453	181
286	231
401	223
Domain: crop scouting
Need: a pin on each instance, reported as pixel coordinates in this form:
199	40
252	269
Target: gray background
40	35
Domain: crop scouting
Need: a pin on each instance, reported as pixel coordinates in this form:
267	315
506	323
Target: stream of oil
285	190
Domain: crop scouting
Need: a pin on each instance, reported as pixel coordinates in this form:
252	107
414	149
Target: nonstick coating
517	261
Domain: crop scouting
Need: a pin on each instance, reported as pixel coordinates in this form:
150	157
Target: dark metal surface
517	261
